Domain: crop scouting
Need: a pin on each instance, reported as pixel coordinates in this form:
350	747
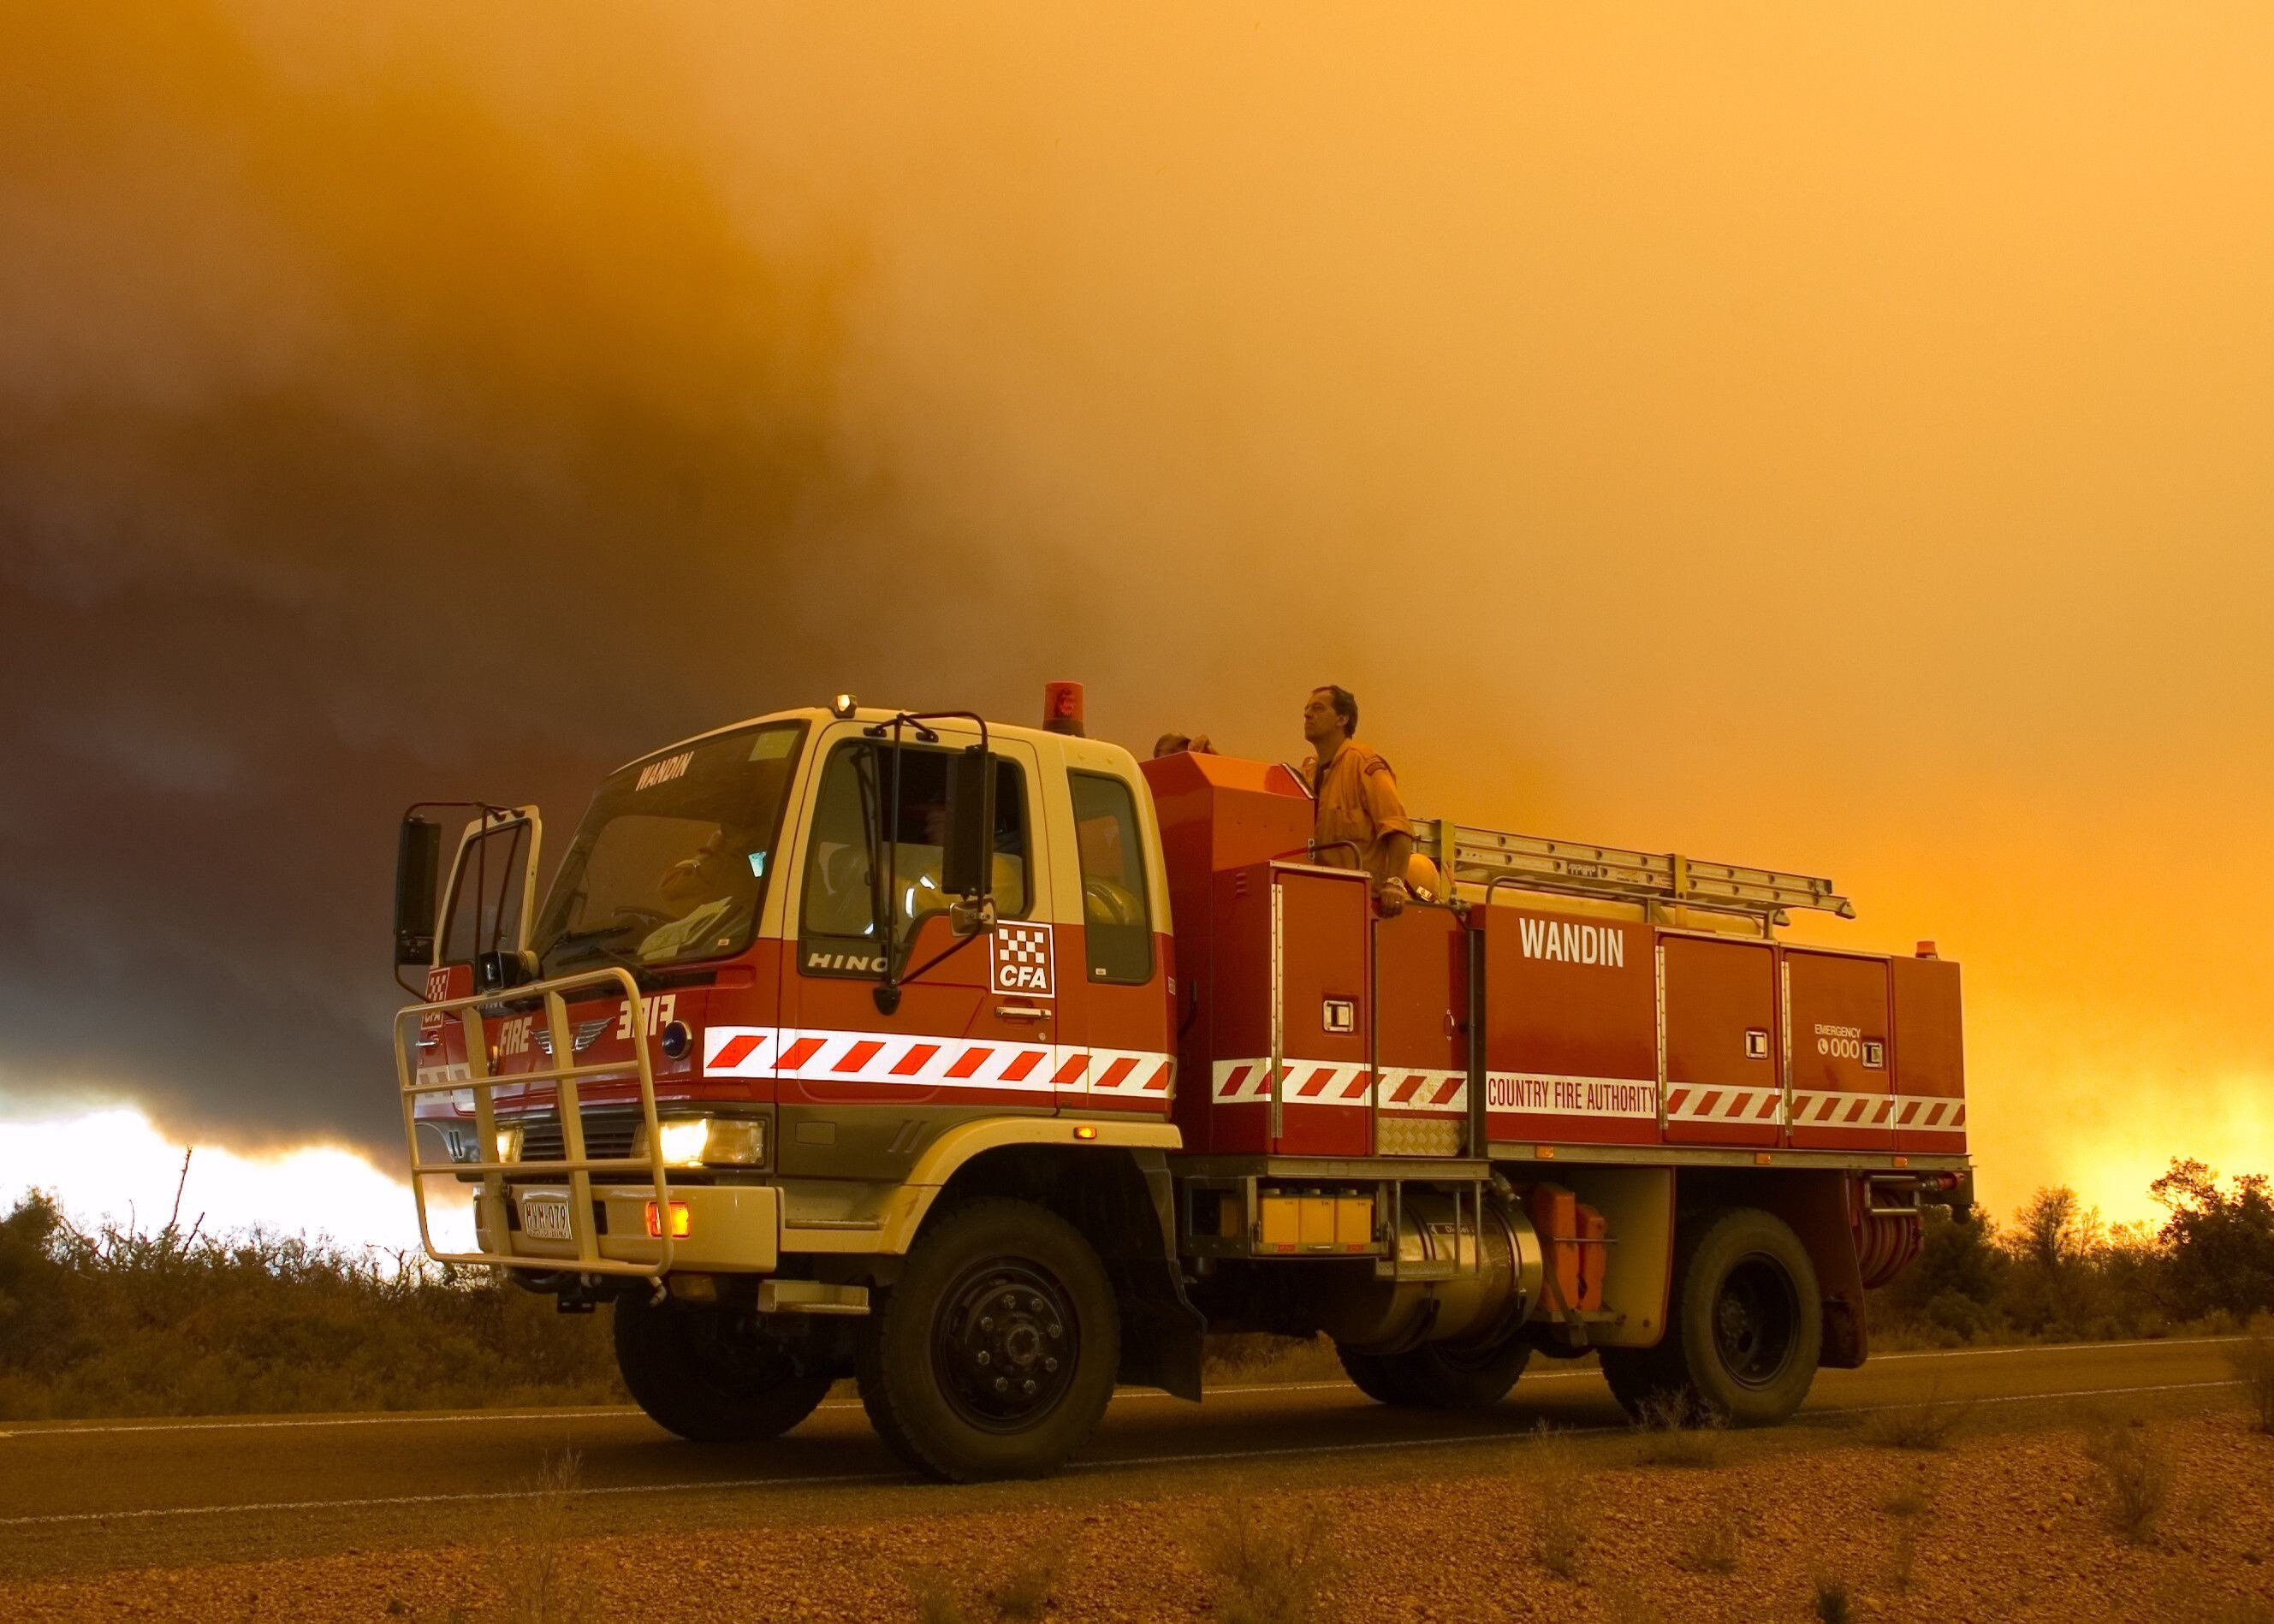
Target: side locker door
1928	1057
1319	945
1719	1033
1421	1042
860	1090
1842	1094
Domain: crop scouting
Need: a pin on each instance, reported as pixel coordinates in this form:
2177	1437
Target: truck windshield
670	862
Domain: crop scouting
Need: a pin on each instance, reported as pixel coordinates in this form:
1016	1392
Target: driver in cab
712	893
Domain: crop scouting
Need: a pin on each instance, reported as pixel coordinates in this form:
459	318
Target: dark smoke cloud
1825	439
359	442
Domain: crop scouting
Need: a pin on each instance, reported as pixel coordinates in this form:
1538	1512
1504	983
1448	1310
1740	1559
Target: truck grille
607	1134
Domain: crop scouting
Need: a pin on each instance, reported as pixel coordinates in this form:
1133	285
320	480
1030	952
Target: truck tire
1744	1326
712	1377
1438	1375
995	1352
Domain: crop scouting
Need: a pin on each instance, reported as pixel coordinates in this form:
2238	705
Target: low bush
1557	1493
541	1576
1834	1598
120	1322
1268	1570
1672	1433
2135	1476
1927	1424
2253	1359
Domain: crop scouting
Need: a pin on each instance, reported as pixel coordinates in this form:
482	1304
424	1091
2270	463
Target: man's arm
1393	833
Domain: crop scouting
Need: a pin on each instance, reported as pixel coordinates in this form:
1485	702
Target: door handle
1021	1012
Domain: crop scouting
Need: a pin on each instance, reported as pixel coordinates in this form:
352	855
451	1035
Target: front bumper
731	1228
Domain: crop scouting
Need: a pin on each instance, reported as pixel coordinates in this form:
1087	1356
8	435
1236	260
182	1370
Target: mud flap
1160	1328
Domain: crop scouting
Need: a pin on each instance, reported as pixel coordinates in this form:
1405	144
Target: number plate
545	1217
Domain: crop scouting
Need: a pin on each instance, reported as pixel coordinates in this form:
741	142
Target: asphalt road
77	1496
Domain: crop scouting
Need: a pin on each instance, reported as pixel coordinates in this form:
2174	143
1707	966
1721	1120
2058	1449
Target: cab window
853	831
1116	914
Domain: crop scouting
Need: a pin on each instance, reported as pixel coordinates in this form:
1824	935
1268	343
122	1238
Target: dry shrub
1910	1501
541	1577
1902	1555
1834	1598
1928	1423
1673	1432
936	1599
2253	1359
1267	1570
1712	1547
1024	1590
2135	1473
1558	1496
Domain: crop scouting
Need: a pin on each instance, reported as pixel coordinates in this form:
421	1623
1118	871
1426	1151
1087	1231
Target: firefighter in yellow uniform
1358	819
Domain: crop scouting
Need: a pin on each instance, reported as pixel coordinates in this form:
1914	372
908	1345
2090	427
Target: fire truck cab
987	1066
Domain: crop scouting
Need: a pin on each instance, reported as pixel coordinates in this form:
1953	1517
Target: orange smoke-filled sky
1832	439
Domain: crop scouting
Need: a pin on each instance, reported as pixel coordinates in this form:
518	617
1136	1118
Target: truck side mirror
418	877
968	862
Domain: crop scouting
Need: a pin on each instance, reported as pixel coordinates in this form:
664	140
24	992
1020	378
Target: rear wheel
995	1352
1744	1329
713	1375
1438	1375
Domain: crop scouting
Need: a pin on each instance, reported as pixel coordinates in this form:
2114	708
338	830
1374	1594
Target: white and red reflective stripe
1124	1073
1707	1103
1938	1113
738	1051
1419	1088
1301	1082
1550	1093
1825	1108
916	1060
1335	1082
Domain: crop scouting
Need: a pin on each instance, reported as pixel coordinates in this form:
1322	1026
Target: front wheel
713	1375
995	1352
1438	1375
1745	1330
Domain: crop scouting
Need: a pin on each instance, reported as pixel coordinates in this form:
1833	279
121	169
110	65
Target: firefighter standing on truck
1358	819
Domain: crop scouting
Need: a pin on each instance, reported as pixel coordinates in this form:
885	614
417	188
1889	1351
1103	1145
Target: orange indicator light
682	1221
1085	1132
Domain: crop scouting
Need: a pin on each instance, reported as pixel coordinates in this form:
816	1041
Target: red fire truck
991	1067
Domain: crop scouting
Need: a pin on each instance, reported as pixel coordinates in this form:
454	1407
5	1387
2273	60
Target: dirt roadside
1993	1528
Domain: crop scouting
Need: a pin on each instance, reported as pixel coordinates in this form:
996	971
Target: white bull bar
417	1083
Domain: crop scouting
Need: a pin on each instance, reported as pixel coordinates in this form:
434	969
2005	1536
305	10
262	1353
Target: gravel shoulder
2012	1519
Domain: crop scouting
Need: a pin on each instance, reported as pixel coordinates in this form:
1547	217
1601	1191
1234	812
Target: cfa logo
1021	956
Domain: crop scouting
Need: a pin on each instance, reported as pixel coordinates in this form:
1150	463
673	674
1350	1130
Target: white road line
155	1513
1287	1451
612	1412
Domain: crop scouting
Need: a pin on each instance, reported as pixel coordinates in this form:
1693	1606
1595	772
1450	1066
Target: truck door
1115	1011
862	1085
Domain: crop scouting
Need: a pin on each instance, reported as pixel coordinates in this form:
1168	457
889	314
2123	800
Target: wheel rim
1004	1345
1756	1321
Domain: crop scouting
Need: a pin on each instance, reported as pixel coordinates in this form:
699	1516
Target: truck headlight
708	1141
683	1141
508	1142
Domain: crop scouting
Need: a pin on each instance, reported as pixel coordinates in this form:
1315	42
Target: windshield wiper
597	950
597	933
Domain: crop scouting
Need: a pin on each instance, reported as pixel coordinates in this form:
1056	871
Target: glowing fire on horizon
114	1166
